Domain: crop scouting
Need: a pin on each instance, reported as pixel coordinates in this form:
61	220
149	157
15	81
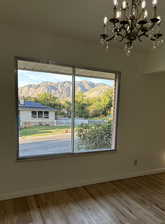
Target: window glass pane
44	94
94	102
40	114
46	114
34	114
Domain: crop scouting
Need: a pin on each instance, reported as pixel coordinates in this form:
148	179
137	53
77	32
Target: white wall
141	117
24	115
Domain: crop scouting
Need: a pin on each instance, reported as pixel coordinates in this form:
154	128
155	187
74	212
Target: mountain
63	90
97	91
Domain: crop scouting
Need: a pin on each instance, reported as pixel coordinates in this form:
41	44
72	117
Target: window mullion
73	108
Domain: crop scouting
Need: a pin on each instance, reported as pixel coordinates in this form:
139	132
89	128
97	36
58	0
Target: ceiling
79	19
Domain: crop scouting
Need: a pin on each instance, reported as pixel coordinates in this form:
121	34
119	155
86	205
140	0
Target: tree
81	105
29	98
49	100
100	106
84	107
106	102
67	105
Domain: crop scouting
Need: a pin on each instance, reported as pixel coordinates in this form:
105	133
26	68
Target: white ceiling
80	19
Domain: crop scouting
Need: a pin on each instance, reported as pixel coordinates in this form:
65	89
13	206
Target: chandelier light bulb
154	2
145	14
143	4
115	2
118	14
124	4
105	20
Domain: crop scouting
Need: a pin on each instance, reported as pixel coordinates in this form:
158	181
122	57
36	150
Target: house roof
35	105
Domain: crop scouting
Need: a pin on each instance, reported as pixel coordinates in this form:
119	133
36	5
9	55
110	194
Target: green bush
94	136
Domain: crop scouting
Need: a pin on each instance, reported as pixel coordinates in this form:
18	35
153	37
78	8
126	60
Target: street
45	145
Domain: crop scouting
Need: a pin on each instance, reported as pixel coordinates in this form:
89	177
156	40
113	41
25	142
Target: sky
30	77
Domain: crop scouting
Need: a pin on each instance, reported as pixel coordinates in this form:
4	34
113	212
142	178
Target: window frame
74	67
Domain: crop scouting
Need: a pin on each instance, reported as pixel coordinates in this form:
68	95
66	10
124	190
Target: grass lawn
43	130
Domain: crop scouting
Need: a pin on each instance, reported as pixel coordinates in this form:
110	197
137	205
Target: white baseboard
80	183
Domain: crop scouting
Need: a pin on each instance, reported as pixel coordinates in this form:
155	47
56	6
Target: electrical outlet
135	162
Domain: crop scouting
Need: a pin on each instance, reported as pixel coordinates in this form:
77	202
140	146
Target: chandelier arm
121	28
140	29
151	26
153	39
110	38
141	35
121	36
124	29
117	32
144	29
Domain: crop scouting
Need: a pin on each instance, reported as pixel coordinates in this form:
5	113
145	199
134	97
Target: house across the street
34	114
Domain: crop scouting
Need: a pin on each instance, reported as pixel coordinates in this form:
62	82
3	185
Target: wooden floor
132	201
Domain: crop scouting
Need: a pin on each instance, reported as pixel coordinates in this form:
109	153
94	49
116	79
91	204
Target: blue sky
31	77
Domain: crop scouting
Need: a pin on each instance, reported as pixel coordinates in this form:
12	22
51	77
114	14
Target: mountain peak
62	90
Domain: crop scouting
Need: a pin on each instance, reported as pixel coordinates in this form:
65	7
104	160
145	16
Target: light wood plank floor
138	200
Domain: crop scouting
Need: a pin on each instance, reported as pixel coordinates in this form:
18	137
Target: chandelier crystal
131	23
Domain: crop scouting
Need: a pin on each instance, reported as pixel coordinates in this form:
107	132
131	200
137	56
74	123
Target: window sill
64	155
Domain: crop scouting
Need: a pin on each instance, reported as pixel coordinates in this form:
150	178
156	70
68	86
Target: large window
65	110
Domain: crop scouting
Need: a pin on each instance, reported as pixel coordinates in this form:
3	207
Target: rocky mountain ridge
63	89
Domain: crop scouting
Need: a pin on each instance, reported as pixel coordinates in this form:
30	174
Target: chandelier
131	23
